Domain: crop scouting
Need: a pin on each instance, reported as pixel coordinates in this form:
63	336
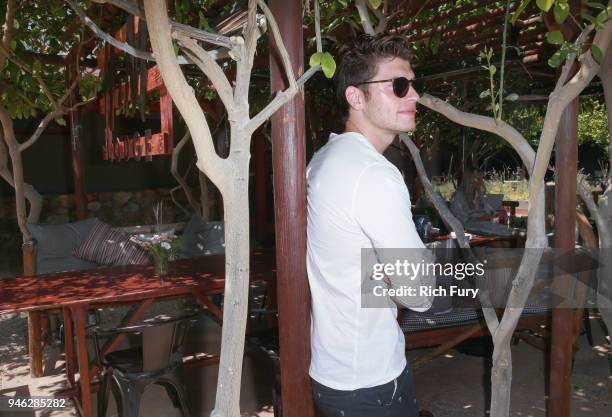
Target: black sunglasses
401	85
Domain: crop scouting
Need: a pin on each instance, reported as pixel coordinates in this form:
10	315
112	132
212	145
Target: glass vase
160	265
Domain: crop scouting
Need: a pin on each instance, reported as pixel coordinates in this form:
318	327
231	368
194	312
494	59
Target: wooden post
566	161
79	315
35	347
75	146
289	163
35	344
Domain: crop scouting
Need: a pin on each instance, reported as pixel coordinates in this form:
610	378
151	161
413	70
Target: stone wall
119	208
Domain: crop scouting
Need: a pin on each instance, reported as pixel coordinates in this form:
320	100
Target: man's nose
412	93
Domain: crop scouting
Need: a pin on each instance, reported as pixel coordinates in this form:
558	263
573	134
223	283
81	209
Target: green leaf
595	5
375	3
561	11
558	58
555	37
315	59
434	43
492	69
485	94
328	64
60	121
519	10
544	5
597	54
13	44
604	15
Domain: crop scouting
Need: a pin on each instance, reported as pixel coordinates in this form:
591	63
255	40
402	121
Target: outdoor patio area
307	191
453	385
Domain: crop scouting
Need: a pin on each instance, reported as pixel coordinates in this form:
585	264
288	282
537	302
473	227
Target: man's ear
354	97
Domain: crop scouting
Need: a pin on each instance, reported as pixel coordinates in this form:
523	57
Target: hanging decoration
122	94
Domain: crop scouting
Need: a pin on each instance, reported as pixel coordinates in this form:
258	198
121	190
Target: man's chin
406	127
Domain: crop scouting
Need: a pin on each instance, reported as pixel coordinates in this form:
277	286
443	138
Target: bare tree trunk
447	216
537	164
603	213
22	189
231	174
204	202
177	176
237	252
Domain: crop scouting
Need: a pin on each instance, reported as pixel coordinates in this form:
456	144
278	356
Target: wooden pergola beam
436	18
483	20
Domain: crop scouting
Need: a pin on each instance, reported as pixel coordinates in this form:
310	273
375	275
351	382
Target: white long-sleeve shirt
356	199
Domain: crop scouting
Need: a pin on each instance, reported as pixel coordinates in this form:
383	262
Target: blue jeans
394	399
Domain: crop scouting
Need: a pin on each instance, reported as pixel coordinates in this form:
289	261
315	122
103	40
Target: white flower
165	245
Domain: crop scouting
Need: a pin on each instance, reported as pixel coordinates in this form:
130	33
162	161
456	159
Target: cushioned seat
55	244
202	238
411	320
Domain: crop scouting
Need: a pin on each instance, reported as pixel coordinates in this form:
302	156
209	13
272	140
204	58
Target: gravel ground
455	385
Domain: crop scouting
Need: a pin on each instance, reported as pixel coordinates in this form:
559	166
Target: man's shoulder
347	148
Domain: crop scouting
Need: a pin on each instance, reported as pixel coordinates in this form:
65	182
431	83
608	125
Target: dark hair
358	62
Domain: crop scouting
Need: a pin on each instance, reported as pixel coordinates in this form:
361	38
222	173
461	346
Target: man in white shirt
358	200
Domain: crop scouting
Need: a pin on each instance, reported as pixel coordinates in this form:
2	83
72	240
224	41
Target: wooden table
74	293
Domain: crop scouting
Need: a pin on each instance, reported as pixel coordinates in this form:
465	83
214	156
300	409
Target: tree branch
21	188
447	216
307	75
286	95
364	17
603	224
56	112
382	19
41	127
571	58
177	28
500	128
562	95
279	100
21	64
125	47
282	50
174	171
210	68
244	52
181	92
7	30
318	26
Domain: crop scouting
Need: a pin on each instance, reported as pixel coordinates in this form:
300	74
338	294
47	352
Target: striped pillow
107	246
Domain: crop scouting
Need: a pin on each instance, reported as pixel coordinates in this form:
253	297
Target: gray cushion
202	238
55	242
70	263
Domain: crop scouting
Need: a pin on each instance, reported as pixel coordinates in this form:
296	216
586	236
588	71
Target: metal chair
159	360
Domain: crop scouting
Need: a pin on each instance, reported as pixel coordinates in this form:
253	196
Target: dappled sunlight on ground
15	379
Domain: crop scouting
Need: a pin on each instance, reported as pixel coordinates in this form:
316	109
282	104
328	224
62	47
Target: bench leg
35	344
445	347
